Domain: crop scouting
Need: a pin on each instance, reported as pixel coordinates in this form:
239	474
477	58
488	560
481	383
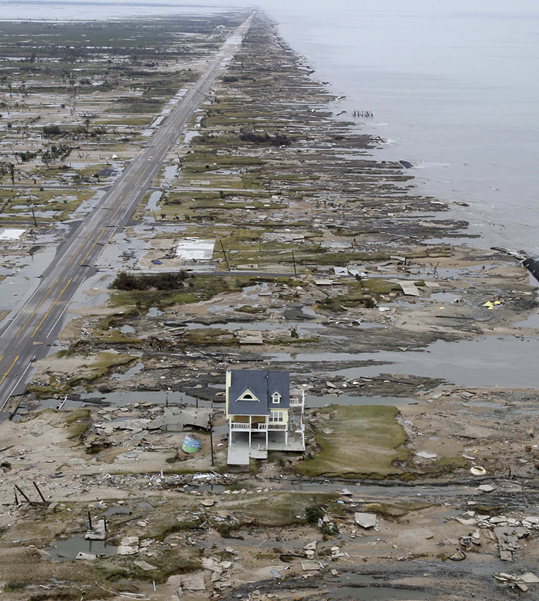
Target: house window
275	398
277	416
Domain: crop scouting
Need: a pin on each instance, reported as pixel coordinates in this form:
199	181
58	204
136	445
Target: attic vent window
275	398
248	396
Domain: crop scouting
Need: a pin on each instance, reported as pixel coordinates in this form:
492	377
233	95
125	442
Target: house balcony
273	427
297	402
262	427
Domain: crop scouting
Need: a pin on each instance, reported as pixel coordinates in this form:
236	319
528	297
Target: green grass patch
209	337
101	366
365	441
376	286
77	422
276	509
452	462
395	510
196	288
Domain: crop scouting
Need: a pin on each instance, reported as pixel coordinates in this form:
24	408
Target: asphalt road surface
28	332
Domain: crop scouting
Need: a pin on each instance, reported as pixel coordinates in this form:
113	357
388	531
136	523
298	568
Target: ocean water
453	86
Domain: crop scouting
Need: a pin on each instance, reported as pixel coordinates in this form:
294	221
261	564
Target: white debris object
478	471
485	488
11	234
128	545
408	288
193	582
85	556
366	520
425	455
194	249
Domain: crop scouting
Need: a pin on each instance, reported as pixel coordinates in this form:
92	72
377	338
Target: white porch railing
282	427
238	426
269	426
257	427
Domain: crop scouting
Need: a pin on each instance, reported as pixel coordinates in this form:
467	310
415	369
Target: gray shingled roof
263	384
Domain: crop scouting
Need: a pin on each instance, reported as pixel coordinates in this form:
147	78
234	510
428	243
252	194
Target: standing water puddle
489	361
153	201
118	510
129	373
365	588
531	322
66	550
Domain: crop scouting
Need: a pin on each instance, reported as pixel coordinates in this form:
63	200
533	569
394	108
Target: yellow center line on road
92	247
136	183
52	307
10	367
1	357
34	311
80	247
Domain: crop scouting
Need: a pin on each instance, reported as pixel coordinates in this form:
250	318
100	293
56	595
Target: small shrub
159	281
313	513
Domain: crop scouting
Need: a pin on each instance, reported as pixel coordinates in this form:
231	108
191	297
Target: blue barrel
191	444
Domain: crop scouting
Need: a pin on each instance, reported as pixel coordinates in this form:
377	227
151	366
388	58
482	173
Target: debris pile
505	532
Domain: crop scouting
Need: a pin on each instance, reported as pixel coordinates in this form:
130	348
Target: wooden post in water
89	520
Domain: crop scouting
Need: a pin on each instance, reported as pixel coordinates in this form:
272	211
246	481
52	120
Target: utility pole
33	214
224	255
211	437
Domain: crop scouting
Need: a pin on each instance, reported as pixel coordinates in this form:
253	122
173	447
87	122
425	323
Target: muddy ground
326	263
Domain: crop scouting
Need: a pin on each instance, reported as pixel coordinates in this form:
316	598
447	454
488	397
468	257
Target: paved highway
28	332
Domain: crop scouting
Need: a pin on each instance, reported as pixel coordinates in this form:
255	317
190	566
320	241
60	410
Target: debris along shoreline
270	232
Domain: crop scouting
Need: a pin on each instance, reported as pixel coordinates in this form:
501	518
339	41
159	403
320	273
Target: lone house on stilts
262	416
